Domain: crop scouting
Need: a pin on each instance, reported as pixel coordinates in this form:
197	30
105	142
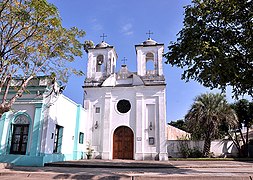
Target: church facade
123	115
126	110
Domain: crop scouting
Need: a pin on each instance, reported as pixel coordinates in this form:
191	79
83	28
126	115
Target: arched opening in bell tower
99	63
150	63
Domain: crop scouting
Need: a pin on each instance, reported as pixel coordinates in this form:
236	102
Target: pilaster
37	130
140	126
77	127
162	127
106	139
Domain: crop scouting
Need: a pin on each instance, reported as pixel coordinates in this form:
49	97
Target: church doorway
123	143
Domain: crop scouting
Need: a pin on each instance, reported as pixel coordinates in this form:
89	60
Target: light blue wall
36	131
33	156
22	160
76	140
2	120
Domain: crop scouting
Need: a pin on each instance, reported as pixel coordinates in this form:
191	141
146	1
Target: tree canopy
180	124
33	42
215	45
208	112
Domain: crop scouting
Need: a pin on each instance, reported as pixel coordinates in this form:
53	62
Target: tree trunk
247	142
236	143
4	108
207	146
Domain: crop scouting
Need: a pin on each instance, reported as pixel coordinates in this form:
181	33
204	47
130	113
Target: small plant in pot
89	151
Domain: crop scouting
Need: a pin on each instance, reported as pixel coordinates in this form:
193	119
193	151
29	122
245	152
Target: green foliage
215	45
180	124
188	152
244	112
88	44
251	142
184	149
208	112
33	43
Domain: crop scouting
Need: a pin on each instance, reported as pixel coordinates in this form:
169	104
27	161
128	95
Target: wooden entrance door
123	143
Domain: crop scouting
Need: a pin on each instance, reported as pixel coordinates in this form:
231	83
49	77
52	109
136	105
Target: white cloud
127	29
96	26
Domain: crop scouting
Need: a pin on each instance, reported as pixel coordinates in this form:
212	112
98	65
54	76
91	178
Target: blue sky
126	23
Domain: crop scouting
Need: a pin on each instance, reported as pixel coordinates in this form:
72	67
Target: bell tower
149	58
101	62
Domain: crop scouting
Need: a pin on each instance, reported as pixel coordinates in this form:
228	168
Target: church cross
124	60
103	36
149	33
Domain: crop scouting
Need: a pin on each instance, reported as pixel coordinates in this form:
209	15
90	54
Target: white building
126	110
124	113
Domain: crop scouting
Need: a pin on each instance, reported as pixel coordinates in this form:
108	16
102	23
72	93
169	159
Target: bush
195	153
184	149
187	152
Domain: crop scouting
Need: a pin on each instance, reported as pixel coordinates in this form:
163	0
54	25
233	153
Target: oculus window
123	106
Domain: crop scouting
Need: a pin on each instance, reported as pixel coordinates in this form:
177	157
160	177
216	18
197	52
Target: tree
215	45
244	112
180	124
208	112
33	42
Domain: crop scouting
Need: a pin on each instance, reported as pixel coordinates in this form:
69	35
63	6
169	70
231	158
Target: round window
123	106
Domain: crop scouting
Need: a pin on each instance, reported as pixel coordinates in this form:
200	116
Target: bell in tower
149	61
101	63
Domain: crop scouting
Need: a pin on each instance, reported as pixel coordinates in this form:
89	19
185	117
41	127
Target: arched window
20	135
100	61
150	67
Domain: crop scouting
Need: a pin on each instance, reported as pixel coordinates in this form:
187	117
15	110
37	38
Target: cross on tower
149	33
124	60
103	36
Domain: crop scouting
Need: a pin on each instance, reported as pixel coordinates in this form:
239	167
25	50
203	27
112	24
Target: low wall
219	148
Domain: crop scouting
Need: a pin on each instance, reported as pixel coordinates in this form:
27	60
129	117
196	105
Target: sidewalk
134	170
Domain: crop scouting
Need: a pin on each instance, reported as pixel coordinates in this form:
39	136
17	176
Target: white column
139	135
106	138
162	127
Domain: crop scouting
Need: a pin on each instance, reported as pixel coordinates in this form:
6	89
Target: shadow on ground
101	170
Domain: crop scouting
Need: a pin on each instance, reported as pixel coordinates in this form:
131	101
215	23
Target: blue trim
75	153
22	160
36	133
53	157
2	121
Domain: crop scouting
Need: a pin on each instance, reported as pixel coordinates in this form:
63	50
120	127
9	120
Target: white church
123	115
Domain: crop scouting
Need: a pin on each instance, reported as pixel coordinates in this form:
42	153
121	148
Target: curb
139	165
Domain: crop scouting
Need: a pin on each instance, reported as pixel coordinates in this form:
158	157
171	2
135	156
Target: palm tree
208	112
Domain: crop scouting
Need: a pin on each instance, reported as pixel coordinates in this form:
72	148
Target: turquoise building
43	126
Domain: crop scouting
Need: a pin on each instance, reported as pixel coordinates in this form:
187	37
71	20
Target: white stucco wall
137	119
219	148
63	113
